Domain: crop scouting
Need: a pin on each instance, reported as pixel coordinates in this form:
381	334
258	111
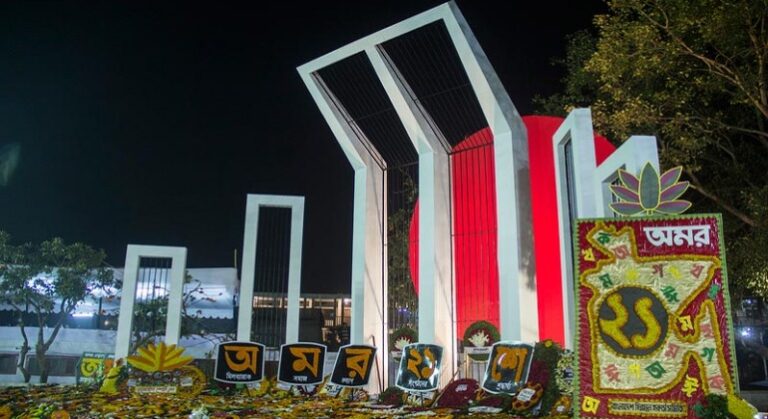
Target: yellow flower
60	414
151	410
740	408
159	358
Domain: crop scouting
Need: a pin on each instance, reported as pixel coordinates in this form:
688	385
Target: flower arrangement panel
654	329
92	366
158	369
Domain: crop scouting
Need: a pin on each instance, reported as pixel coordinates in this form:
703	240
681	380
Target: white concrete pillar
247	276
589	187
369	233
519	315
436	299
133	255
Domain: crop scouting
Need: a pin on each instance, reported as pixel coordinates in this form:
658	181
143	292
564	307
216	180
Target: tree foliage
151	314
49	280
401	292
692	73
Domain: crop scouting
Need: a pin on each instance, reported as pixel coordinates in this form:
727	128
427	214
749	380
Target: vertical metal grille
430	64
151	303
606	191
271	276
475	230
570	181
403	303
359	93
354	84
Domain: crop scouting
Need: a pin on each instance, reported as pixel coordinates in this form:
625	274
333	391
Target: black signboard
301	363
239	362
353	365
420	367
508	367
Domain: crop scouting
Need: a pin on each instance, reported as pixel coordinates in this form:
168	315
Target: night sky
148	123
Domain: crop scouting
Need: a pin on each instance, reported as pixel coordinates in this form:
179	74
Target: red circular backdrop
474	227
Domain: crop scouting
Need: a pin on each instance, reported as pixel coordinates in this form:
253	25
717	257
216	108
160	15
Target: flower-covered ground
461	399
122	393
56	401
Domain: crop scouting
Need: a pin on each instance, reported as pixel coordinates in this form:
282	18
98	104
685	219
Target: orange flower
60	414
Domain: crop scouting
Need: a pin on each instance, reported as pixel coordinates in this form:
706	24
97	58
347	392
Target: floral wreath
562	407
546	356
392	396
402	337
480	334
458	394
564	372
535	392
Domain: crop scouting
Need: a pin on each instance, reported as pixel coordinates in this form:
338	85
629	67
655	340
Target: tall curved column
436	300
519	313
369	234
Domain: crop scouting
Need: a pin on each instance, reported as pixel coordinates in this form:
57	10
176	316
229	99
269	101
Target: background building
211	317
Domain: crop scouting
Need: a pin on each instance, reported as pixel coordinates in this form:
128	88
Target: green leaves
48	280
51	275
692	73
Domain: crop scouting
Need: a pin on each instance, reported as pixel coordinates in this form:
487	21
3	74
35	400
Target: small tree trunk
23	352
42	363
23	356
42	348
